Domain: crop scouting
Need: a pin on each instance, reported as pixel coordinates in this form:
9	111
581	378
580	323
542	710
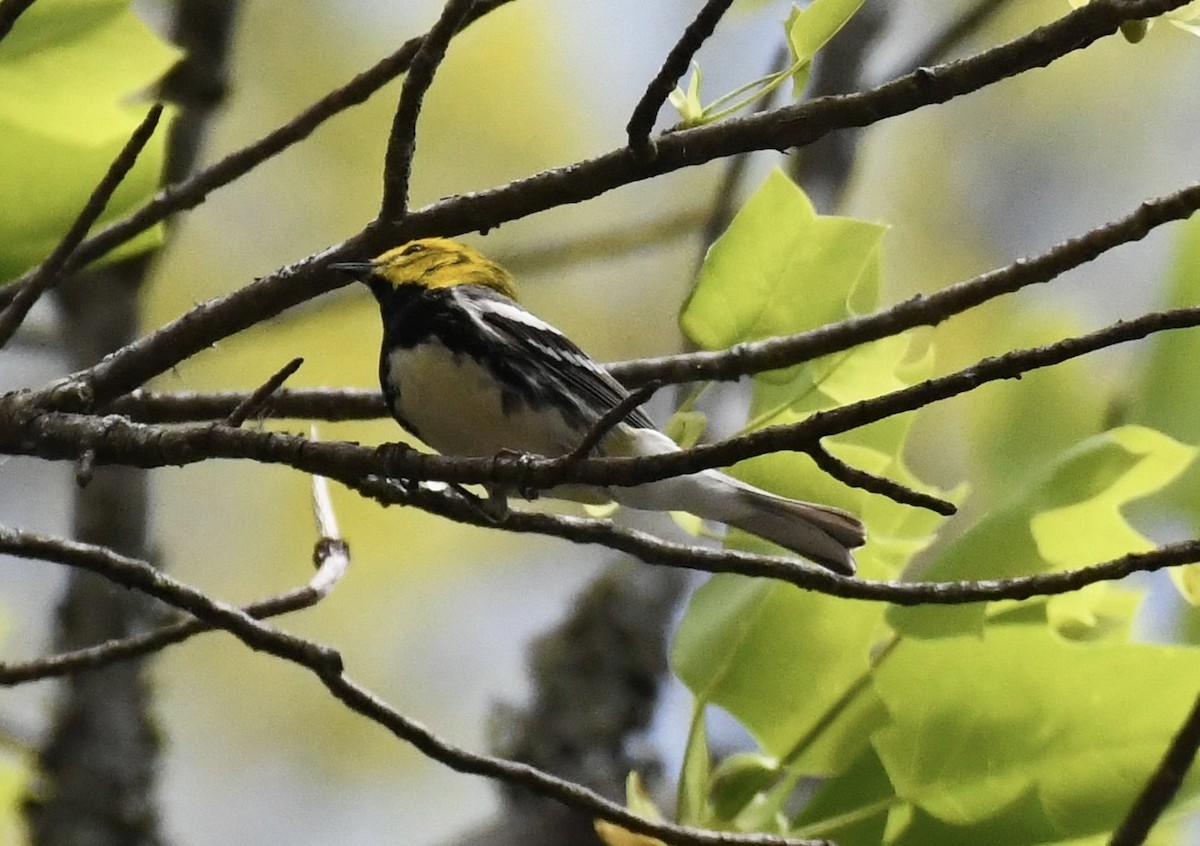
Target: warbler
470	372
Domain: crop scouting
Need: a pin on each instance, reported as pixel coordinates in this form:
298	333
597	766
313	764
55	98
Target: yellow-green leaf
71	72
980	726
779	268
1069	517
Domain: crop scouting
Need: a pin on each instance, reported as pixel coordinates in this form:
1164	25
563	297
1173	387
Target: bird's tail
819	533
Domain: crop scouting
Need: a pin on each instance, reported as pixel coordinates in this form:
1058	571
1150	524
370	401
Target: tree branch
856	478
641	122
397	166
261	395
26	429
653	550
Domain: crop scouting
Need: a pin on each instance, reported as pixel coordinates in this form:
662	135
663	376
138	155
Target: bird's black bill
360	270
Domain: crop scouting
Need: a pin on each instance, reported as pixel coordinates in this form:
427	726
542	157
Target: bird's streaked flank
470	372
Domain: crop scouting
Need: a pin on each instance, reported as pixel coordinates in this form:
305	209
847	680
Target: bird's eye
412	249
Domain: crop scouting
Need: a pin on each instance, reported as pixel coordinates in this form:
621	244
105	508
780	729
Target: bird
470	372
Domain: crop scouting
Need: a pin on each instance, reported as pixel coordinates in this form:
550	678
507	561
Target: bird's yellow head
432	263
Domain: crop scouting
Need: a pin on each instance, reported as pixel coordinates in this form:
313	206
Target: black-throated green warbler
470	372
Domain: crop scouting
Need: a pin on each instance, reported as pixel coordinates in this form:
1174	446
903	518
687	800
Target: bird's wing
535	343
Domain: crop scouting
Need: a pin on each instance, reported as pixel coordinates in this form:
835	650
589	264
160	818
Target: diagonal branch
397	165
1162	785
856	478
261	395
53	268
653	550
641	122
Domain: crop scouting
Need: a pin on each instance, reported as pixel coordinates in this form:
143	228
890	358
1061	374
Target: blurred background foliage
434	616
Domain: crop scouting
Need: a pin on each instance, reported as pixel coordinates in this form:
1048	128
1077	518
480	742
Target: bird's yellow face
441	263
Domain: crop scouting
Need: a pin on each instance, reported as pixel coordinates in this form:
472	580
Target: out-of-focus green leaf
14	790
68	73
1056	735
809	29
1069	517
1093	612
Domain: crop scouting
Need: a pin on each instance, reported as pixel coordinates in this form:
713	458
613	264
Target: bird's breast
453	403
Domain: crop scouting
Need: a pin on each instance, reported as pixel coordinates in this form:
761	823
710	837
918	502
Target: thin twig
1162	785
331	554
641	122
259	397
138	575
110	652
856	478
611	418
329	404
51	270
397	163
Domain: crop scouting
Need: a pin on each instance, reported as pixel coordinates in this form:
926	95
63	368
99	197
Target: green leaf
791	665
780	660
738	780
1055	735
809	29
1069	517
851	809
1003	456
68	71
691	806
778	269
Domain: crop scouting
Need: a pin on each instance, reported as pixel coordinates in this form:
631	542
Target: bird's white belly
456	407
